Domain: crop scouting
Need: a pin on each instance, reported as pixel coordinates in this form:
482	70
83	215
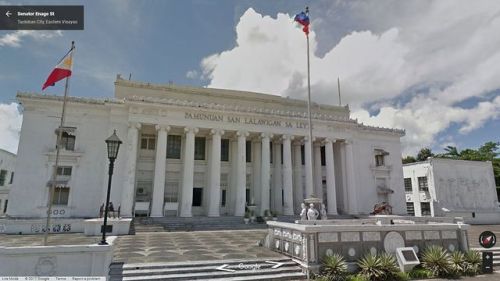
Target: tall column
287	175
214	189
159	177
318	177
129	188
188	174
214	168
298	190
277	188
265	172
256	163
330	178
309	163
351	180
241	177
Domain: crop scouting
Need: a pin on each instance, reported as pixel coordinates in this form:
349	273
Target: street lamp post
113	144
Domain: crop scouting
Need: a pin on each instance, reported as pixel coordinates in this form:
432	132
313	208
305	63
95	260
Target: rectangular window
223	198
281	147
61	195
174	147
224	150
247	196
426	208
171	191
143	191
248	151
408	187
303	154
323	156
64	170
3	175
197	196
5	206
11	178
148	142
68	141
379	160
422	184
410	208
271	151
199	148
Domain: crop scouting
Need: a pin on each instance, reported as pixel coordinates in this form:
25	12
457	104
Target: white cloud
10	126
15	38
452	58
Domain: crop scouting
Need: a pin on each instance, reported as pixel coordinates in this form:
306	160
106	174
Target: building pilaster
129	187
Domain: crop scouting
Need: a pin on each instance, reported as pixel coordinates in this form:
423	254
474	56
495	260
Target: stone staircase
197	223
250	269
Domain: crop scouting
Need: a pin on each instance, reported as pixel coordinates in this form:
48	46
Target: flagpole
338	84
56	164
309	106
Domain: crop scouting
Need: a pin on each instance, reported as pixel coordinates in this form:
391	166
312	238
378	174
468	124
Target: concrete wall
7	163
88	181
456	188
69	260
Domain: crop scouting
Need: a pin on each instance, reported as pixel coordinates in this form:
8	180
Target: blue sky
426	66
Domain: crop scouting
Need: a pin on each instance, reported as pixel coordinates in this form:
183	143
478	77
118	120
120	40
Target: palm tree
452	152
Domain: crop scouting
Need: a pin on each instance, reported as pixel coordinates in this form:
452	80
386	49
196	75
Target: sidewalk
486	277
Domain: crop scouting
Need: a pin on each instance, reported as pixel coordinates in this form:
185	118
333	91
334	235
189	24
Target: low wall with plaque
64	260
37	226
93	227
310	241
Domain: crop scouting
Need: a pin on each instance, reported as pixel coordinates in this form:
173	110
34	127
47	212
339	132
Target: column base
186	215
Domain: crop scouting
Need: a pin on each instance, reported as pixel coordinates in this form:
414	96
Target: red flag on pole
61	71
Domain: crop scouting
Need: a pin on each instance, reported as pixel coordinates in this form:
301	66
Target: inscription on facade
245	120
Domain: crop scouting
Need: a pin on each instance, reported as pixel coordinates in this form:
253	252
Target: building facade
7	164
447	187
202	152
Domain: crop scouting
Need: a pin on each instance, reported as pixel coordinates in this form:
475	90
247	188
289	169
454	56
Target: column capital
242	133
135	125
193	130
266	135
288	137
348	142
219	132
306	138
159	127
317	143
329	141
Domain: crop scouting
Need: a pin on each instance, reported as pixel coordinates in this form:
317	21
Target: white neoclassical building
202	152
7	164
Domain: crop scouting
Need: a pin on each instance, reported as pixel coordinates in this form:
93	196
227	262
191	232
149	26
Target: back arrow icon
8	14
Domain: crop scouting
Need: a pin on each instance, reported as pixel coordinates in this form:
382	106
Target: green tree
424	153
452	152
409	159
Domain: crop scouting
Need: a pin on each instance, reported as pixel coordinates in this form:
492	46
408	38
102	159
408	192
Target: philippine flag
303	19
61	71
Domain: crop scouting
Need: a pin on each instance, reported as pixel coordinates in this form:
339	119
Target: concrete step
147	224
248	269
